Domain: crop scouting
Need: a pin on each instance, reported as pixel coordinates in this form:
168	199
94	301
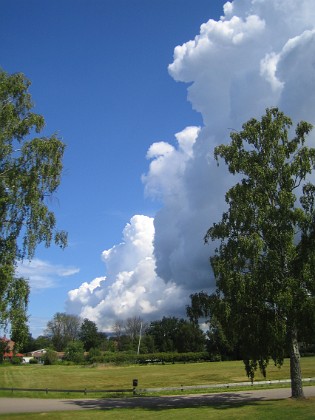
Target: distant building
8	351
40	354
36	354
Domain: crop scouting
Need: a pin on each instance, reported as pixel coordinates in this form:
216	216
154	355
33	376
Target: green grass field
112	377
150	376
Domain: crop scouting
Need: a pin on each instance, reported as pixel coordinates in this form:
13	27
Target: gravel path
31	405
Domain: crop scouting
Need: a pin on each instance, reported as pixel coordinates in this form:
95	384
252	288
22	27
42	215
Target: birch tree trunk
295	367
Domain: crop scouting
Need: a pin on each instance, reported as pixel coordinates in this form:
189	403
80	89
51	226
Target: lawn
150	376
112	377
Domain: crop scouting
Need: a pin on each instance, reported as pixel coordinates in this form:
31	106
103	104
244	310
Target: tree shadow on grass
218	401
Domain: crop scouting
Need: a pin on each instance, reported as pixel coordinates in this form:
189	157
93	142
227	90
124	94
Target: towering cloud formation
259	54
131	287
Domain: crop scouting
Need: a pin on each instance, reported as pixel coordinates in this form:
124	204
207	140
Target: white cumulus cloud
131	287
259	54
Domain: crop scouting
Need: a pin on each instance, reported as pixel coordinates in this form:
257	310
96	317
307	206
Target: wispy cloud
42	274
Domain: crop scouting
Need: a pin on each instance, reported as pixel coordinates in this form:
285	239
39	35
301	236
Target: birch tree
264	262
30	172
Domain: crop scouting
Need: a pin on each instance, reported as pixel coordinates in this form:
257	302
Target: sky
141	91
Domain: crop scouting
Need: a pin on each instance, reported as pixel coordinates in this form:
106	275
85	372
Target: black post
134	384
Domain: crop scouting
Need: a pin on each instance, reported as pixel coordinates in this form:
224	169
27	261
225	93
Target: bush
16	360
94	354
132	358
75	352
33	361
50	357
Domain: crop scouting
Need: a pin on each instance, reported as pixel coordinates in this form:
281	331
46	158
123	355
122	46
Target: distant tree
28	344
42	342
89	334
30	171
50	357
74	352
164	332
189	337
264	264
174	334
111	344
94	354
126	333
118	330
147	344
3	346
103	341
133	326
63	329
118	327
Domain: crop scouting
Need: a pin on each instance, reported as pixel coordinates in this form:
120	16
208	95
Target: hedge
150	358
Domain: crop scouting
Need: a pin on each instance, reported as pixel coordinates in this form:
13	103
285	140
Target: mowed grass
150	376
113	377
271	410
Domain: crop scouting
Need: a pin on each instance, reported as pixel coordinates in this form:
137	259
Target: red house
8	352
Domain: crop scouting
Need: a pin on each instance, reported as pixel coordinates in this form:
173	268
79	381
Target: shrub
93	355
16	360
75	352
132	358
50	357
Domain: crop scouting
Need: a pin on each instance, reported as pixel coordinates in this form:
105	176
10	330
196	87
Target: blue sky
100	77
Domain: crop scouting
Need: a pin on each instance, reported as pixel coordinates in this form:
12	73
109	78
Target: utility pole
139	338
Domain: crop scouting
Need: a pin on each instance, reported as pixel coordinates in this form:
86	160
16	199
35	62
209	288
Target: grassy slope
156	376
111	377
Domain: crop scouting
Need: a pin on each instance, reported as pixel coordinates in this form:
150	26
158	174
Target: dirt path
31	405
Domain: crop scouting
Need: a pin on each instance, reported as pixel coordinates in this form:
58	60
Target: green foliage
127	333
122	358
50	357
30	172
217	343
62	329
33	361
89	334
28	344
74	352
147	344
172	334
189	338
41	342
94	354
16	360
163	332
3	346
264	262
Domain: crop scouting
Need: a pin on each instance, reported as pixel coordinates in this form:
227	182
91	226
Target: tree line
170	334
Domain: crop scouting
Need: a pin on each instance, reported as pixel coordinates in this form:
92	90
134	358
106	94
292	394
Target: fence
135	390
79	391
221	386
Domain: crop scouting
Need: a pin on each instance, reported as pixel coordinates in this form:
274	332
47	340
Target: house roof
11	354
36	353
